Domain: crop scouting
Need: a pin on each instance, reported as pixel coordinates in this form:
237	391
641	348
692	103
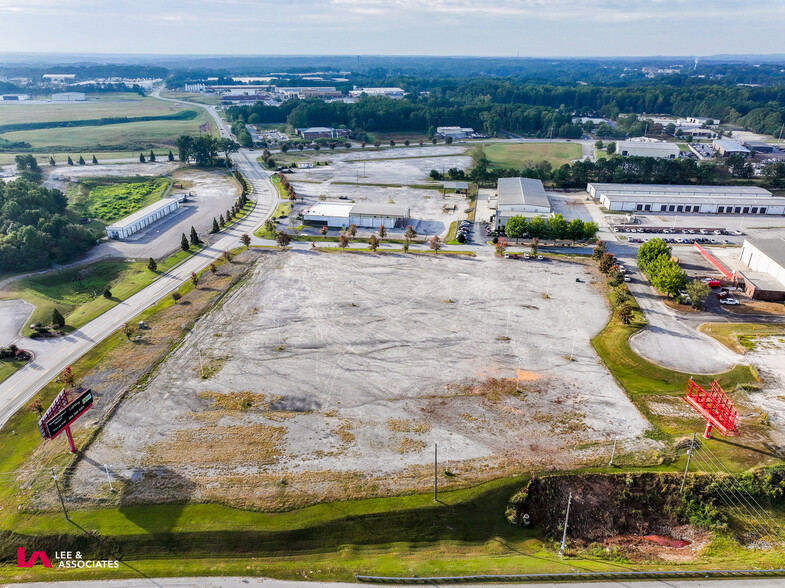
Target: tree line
664	273
556	227
204	149
35	229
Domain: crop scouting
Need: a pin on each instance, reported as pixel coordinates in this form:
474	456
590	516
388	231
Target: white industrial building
455	132
765	259
693	199
14	97
389	92
143	218
69	97
727	147
519	195
362	214
659	149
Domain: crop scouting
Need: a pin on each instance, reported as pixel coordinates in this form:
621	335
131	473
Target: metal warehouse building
141	219
673	198
517	195
362	214
765	259
659	149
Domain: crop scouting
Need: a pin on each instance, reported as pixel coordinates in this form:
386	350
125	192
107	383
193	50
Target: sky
529	28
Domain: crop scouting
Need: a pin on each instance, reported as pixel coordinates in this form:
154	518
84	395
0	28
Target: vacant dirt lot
331	375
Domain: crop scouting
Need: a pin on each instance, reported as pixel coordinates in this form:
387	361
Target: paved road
13	315
235	582
52	355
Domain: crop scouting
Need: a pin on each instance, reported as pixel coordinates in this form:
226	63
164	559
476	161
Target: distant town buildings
659	149
59	78
455	132
322	133
389	92
726	147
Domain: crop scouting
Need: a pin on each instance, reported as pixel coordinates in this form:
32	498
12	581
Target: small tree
171	156
535	245
435	243
245	239
610	150
698	292
373	242
141	158
382	232
58	321
434	140
406	244
392	143
215	227
599	250
410	233
152	265
448	140
68	377
51	160
221	221
128	330
323	230
227	255
81	160
619	297
194	237
406	142
194	279
107	292
152	155
70	161
213	267
501	245
606	263
176	296
282	239
625	313
352	230
36	407
95	160
184	243
343	241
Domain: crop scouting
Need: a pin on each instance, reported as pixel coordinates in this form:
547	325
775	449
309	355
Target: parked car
713	283
729	301
627	278
540	257
526	256
737	232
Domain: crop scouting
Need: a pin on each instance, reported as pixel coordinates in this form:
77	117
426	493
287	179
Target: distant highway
53	355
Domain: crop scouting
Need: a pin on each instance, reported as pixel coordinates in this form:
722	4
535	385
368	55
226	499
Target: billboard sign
55	424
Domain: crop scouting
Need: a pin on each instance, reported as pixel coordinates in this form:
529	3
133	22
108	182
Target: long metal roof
678	190
379	209
142	214
771	248
721	200
522	191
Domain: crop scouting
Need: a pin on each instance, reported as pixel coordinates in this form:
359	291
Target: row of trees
664	273
556	227
35	228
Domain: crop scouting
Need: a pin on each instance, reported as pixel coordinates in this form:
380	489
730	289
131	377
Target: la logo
21	563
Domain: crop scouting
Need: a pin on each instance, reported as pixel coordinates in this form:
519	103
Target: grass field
736	336
513	155
212	100
122	136
78	292
8	367
61	157
109	199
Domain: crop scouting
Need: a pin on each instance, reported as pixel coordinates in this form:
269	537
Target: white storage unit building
333	214
765	279
69	97
692	199
659	149
134	223
372	215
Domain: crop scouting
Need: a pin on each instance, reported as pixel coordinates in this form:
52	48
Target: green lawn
61	157
118	136
197	98
8	367
107	106
736	335
78	292
110	198
513	155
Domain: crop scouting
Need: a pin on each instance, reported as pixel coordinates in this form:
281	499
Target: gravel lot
769	359
339	372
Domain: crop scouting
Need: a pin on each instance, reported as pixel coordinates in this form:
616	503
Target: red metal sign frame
715	407
60	403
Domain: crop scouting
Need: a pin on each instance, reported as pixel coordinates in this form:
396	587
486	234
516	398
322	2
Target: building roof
521	191
316	130
456	185
334	209
679	190
754	144
648	146
720	200
376	209
141	214
774	249
730	145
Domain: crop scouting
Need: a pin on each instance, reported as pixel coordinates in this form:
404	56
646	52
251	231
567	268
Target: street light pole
566	521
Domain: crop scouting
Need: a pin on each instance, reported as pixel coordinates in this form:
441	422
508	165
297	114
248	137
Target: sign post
68	406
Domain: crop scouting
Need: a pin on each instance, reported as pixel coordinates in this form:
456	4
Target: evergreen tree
51	160
215	228
81	160
221	221
152	265
184	243
152	155
228	216
171	156
107	292
58	321
141	158
95	160
70	161
194	237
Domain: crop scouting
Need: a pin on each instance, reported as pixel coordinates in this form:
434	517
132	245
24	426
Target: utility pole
566	521
613	452
435	472
65	512
689	457
108	477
